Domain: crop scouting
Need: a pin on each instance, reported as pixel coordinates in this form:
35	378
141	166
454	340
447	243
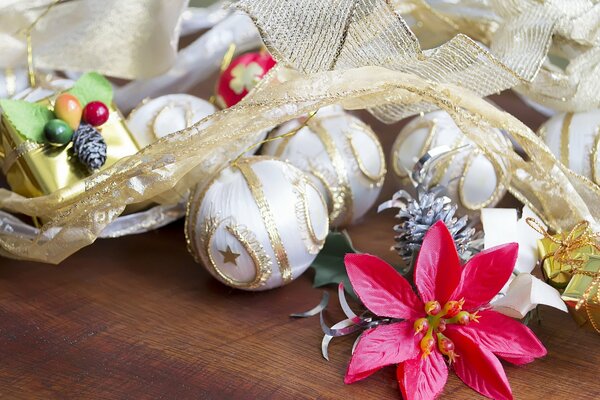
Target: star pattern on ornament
229	256
245	77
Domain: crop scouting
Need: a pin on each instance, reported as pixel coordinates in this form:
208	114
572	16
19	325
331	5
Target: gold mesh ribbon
356	33
553	45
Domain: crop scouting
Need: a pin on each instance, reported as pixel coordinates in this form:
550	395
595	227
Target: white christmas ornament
166	114
258	224
470	177
574	139
12	81
341	154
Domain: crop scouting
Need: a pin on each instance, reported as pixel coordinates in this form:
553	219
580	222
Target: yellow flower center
435	323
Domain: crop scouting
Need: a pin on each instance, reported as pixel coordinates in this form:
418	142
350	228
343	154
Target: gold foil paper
34	170
559	273
584	287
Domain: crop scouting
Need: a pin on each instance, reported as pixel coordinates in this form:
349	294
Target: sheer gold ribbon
183	159
378	64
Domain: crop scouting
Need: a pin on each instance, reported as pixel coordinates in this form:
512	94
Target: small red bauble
241	76
95	113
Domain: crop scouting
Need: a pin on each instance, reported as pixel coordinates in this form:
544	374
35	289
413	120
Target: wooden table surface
136	318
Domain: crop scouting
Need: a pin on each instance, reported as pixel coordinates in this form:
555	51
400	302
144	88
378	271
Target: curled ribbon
579	236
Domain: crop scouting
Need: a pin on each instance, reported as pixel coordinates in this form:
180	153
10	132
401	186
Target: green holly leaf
92	87
329	265
27	118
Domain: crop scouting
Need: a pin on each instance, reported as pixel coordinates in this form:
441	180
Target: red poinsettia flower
448	323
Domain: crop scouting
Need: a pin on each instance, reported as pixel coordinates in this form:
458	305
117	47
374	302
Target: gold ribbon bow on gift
579	236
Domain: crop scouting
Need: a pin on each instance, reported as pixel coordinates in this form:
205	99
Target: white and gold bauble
574	139
258	224
12	81
164	115
471	178
343	156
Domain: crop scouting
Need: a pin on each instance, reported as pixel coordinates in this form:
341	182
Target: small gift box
582	294
34	167
558	270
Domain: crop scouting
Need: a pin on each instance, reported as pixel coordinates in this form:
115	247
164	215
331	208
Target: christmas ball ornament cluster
342	156
471	179
574	138
257	224
164	115
241	76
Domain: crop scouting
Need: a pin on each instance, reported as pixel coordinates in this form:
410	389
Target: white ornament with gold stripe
258	224
471	178
161	116
574	138
343	156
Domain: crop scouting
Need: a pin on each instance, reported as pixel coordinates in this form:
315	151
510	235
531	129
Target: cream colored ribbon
127	39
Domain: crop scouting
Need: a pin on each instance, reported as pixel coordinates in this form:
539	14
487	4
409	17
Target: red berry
95	113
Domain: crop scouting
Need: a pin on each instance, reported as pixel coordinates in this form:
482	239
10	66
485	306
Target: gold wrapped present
564	253
34	169
582	294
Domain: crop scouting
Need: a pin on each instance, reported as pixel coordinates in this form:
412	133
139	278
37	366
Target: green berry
58	132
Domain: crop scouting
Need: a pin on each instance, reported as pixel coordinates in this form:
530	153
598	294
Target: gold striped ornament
342	155
470	177
574	139
257	224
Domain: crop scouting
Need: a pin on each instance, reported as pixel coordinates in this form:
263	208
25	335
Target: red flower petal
485	274
422	378
381	346
507	338
479	368
437	270
383	290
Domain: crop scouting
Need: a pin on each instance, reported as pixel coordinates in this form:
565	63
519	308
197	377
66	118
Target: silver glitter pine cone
89	147
417	214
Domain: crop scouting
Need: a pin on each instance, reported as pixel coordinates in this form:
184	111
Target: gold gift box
558	274
576	288
34	170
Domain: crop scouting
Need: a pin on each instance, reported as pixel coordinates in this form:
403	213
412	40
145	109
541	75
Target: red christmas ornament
241	76
95	113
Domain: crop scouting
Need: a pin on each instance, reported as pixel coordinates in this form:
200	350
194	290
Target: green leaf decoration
329	265
27	118
92	87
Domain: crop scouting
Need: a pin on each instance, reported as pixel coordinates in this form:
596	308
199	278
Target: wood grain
136	318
